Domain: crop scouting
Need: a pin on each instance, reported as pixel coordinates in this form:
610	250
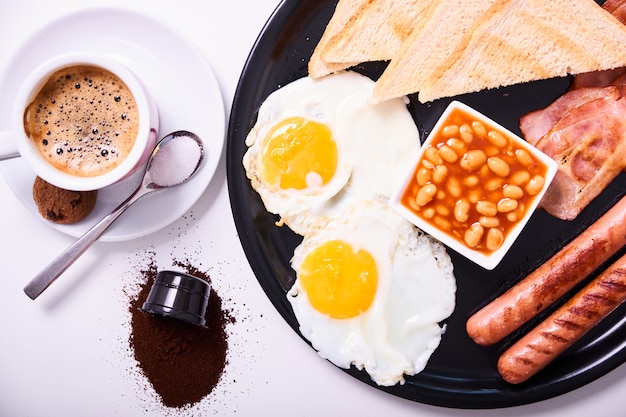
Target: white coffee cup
16	142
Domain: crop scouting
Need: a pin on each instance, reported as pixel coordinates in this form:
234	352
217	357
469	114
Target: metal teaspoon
158	176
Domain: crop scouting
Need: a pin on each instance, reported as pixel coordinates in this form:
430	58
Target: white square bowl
488	259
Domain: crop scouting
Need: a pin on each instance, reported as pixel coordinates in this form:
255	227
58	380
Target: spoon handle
50	273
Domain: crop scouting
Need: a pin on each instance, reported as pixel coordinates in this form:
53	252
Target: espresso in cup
84	120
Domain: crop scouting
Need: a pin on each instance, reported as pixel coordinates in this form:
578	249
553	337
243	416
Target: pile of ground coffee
183	362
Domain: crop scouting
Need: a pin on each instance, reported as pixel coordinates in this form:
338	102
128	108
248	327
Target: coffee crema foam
84	120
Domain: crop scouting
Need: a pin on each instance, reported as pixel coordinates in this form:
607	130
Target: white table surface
67	354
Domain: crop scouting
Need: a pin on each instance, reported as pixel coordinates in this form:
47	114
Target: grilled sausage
552	279
566	325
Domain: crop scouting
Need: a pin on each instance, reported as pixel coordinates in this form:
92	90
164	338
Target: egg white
376	144
416	291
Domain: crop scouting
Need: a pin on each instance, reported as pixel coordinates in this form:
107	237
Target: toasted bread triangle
375	32
344	11
528	40
439	37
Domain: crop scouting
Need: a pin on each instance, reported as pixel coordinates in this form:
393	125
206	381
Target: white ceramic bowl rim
486	260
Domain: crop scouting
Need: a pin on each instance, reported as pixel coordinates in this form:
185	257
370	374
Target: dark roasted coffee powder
183	362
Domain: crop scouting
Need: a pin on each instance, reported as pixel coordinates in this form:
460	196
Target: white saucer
174	72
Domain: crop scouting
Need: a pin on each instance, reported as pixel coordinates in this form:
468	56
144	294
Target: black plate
460	374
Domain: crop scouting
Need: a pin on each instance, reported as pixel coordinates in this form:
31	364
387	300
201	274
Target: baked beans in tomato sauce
474	182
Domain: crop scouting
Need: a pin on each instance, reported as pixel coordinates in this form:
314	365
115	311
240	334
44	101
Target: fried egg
371	290
318	144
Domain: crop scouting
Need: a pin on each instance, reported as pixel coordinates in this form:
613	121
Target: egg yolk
339	281
298	153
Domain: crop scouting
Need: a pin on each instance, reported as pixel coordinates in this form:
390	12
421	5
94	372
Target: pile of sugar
175	161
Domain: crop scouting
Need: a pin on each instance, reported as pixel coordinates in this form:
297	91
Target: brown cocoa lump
62	206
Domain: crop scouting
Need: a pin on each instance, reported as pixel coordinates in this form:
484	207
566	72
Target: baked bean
513	216
458	145
492	151
474	234
442	223
507	204
475	196
471	181
535	185
523	157
427	164
520	178
426	194
486	208
494	239
516	214
498	166
489	221
466	133
512	191
494	184
454	187
428	213
461	210
448	154
440	194
439	174
450	131
432	154
442	210
497	139
423	176
479	129
473	160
